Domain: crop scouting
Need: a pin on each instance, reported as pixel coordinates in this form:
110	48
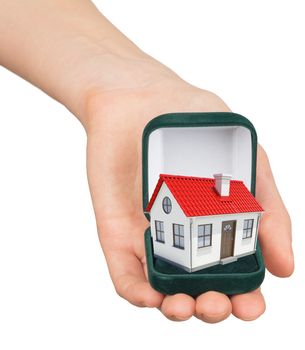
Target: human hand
77	56
115	120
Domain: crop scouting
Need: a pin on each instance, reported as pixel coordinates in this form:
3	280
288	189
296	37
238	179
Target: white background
55	292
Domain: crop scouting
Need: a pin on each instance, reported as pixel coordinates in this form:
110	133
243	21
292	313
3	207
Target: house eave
220	215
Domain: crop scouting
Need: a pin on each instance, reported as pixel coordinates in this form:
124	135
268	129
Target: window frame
159	231
248	230
167	207
204	235
179	235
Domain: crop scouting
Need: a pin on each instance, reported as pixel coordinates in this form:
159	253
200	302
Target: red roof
197	196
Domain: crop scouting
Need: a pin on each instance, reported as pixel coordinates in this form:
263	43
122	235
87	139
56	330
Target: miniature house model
199	222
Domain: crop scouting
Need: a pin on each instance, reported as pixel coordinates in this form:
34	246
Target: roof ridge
187	177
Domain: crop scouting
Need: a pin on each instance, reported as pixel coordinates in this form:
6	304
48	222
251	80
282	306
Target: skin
72	52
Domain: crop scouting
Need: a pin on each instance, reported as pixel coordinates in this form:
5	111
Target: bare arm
66	48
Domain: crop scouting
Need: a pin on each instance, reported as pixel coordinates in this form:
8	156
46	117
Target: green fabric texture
244	275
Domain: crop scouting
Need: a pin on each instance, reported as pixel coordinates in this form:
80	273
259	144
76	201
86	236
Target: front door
227	239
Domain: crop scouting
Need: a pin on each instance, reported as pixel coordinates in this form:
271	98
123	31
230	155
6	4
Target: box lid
198	144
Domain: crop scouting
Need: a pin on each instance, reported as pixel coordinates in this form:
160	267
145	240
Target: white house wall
243	246
176	216
211	255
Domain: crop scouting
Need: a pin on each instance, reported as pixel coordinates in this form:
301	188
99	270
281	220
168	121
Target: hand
114	122
115	89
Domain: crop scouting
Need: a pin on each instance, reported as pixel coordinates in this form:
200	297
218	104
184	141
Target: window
248	228
167	205
204	235
178	231
159	231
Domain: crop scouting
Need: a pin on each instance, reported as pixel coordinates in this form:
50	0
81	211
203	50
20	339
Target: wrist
109	75
91	66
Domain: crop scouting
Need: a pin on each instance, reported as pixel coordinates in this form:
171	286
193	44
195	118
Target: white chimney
222	184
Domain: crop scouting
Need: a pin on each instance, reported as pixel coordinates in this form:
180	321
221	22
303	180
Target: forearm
64	47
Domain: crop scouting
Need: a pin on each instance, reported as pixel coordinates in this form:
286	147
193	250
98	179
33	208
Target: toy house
199	222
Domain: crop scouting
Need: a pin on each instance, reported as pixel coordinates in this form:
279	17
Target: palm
114	170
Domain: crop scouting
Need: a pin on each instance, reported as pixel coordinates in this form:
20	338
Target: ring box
200	144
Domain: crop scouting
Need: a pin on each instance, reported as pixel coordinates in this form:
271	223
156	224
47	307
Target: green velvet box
198	144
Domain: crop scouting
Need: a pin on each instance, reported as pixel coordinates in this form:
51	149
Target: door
227	238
